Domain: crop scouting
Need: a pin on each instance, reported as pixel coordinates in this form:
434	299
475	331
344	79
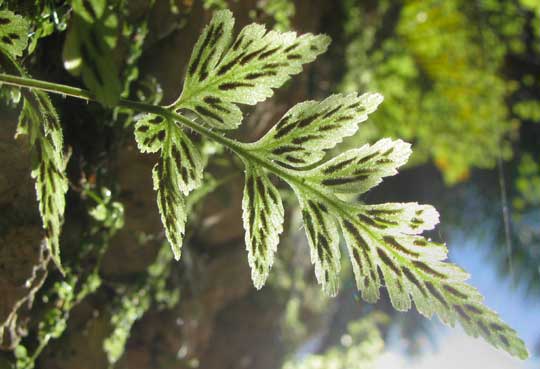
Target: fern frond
384	242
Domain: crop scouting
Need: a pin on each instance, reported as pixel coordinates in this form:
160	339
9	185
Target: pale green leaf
13	33
222	72
154	133
323	238
358	170
39	121
301	137
171	202
178	172
263	221
383	240
150	132
386	251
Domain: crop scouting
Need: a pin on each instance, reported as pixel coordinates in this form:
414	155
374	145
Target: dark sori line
384	211
427	269
234	85
435	293
345	180
368	157
308	120
294	160
412	278
294	57
204	68
285	130
473	309
455	292
207	39
338	166
187	152
388	222
399	247
208	113
388	262
268	53
303	139
328	127
286	149
371	222
462	313
252	76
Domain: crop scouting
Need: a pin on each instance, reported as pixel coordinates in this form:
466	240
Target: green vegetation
442	68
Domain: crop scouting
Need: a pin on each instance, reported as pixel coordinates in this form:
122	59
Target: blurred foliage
47	17
528	110
527	184
215	4
80	280
359	348
440	66
281	11
133	304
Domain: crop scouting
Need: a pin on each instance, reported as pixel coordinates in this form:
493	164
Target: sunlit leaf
323	238
154	133
150	132
178	172
171	202
384	242
263	221
386	251
223	72
358	170
301	137
39	121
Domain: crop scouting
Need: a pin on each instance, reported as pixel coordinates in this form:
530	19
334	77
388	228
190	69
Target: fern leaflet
222	72
38	120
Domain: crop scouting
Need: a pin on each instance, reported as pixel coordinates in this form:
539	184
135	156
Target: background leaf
14	31
39	121
88	50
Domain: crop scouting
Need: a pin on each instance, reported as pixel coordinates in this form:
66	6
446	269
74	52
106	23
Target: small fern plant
384	242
